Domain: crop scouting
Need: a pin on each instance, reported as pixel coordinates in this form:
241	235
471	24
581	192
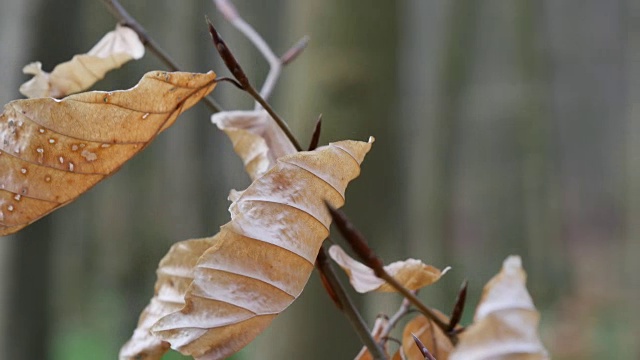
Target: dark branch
120	13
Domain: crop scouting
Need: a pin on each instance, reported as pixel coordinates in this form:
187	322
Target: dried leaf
505	322
51	151
256	138
429	334
260	261
411	273
175	273
112	51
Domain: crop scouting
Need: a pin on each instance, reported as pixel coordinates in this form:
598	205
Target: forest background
502	127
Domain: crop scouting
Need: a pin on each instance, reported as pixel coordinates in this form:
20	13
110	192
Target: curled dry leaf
51	151
260	261
175	273
112	51
429	334
505	323
256	138
411	273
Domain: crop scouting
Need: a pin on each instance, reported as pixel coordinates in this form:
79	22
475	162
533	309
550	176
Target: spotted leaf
52	151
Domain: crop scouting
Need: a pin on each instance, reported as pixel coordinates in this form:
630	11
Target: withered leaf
411	273
259	262
111	52
175	273
505	323
429	334
256	138
51	151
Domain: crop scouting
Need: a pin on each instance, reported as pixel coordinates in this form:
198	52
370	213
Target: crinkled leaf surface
112	51
506	321
260	261
175	273
51	151
431	336
256	138
411	273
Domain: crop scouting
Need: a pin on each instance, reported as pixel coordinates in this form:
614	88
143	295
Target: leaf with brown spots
52	151
255	267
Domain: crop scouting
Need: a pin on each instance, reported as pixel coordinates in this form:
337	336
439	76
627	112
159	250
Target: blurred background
502	127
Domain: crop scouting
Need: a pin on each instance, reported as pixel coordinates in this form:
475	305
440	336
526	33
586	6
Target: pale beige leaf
259	262
411	273
52	151
506	321
256	138
175	273
111	52
429	334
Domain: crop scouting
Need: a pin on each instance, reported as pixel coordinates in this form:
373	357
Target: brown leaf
411	273
112	51
429	334
505	322
256	138
175	273
260	261
51	151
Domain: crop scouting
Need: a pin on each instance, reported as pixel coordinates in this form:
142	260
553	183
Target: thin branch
368	256
276	63
235	68
120	13
315	137
458	308
395	318
423	349
294	51
347	307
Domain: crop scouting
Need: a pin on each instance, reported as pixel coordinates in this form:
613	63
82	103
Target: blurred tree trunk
588	103
90	260
347	74
28	318
10	25
631	193
542	220
432	91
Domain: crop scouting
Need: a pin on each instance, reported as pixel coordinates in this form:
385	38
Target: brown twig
403	310
344	303
228	10
315	137
359	245
235	68
458	308
120	13
423	349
